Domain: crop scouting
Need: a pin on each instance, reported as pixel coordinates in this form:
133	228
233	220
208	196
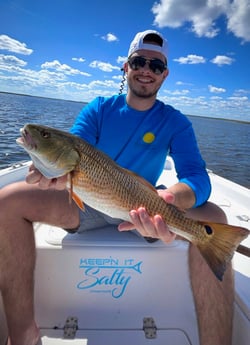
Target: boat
107	288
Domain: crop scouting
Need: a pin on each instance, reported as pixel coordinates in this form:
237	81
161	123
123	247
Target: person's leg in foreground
21	205
213	298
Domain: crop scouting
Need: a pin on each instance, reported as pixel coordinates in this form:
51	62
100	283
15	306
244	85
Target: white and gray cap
142	39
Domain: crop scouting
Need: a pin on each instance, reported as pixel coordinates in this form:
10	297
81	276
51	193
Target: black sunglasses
156	65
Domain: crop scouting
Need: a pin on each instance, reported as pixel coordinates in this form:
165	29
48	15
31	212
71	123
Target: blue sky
74	49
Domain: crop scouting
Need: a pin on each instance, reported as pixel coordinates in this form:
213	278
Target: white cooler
107	287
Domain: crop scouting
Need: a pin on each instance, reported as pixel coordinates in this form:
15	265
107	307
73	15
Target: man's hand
34	176
148	226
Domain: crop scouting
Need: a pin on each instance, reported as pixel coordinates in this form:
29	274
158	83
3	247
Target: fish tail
221	242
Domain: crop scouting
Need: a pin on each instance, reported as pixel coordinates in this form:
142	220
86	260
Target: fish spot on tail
219	248
208	229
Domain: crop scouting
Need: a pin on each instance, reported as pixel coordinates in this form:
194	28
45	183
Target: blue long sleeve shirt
141	140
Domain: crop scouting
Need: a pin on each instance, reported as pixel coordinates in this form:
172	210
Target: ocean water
224	144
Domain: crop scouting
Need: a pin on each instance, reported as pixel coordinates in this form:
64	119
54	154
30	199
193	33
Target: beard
142	91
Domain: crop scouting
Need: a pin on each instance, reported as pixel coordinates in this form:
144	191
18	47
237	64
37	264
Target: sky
74	50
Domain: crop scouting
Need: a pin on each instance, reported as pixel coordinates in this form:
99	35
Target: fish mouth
26	140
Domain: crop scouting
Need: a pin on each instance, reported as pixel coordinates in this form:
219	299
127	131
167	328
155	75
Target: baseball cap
152	36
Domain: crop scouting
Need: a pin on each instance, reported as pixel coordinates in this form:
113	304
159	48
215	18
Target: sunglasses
156	65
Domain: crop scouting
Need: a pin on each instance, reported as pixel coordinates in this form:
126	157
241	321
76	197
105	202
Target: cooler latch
149	328
70	327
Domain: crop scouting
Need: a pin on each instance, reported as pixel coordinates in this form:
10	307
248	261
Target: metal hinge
149	328
70	327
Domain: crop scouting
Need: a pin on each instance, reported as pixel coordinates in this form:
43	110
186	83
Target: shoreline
52	98
69	100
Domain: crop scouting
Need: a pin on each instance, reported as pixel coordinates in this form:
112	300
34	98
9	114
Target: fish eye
45	134
208	229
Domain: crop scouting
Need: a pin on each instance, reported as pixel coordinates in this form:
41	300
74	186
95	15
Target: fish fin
141	179
70	189
222	241
78	201
74	196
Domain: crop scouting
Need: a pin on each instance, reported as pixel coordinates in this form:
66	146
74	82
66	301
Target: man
137	131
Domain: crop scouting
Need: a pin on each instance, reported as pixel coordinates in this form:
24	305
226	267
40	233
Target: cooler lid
107	236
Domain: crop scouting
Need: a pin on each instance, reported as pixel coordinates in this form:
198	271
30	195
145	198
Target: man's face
143	82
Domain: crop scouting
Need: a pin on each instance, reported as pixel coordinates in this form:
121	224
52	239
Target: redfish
102	184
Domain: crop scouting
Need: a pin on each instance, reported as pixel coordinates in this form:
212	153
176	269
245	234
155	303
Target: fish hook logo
108	275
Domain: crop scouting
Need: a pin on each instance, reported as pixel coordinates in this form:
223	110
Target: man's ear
125	67
166	73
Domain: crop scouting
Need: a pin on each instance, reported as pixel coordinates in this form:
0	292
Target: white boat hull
112	281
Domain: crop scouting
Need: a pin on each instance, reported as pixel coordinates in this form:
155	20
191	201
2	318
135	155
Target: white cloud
176	92
238	99
7	60
30	79
241	92
78	59
105	83
180	83
214	106
121	59
110	37
191	59
117	77
14	46
183	83
56	65
215	89
221	60
216	98
238	19
103	66
203	16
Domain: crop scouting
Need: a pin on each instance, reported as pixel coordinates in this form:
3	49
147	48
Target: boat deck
105	287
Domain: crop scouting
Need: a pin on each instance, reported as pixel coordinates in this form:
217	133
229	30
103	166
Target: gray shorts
92	219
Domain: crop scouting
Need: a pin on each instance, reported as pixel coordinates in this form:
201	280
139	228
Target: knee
208	212
217	214
69	219
72	223
11	197
11	189
6	195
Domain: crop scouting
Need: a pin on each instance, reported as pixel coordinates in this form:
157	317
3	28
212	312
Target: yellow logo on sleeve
148	137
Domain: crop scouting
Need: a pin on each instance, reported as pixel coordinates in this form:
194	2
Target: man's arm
183	195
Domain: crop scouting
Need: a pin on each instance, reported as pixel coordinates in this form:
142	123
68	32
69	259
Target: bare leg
20	205
213	299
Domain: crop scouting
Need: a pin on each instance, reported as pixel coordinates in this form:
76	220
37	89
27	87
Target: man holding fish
137	131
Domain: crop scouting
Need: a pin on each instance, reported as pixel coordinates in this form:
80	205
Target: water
17	110
224	144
